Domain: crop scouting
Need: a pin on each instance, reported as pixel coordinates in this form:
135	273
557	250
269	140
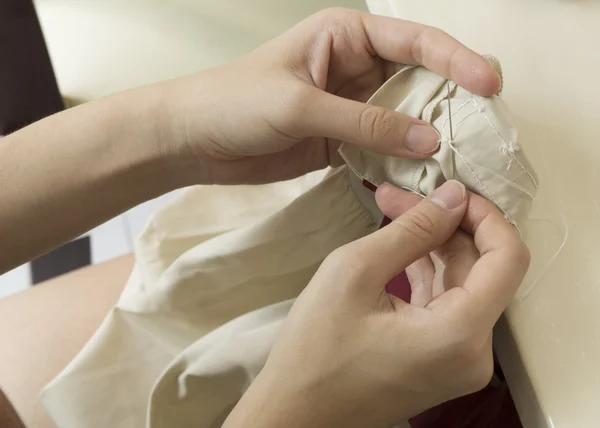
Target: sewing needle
449	111
451	132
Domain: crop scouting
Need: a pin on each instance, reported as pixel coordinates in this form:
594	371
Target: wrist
275	402
144	120
186	119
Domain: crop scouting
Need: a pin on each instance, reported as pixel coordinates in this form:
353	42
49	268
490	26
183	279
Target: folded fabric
484	152
218	269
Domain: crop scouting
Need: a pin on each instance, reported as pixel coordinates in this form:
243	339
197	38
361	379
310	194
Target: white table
549	342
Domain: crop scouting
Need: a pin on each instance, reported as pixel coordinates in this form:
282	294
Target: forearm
72	171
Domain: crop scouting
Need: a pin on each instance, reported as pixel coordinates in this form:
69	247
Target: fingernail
449	195
499	82
422	138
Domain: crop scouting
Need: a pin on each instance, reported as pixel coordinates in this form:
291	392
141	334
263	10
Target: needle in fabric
451	132
449	111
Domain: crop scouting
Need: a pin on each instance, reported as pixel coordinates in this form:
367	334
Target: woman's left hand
282	110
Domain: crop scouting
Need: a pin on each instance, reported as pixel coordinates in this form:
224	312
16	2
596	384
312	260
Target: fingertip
450	196
393	201
490	82
474	73
384	196
486	80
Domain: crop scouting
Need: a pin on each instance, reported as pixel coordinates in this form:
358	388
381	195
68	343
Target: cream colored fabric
484	153
213	255
218	269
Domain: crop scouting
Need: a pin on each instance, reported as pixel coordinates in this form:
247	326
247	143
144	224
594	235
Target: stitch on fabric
508	148
506	180
491	196
535	184
509	151
447	120
465	117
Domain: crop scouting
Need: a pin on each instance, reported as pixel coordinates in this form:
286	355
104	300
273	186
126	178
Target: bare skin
275	114
41	334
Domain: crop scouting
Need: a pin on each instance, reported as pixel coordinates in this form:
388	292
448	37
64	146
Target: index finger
496	276
408	42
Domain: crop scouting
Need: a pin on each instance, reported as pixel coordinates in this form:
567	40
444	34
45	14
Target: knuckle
426	42
297	97
295	114
333	12
435	34
417	224
331	15
346	265
419	44
337	257
343	259
376	124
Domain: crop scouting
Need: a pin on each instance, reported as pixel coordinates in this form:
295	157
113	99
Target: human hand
282	110
352	355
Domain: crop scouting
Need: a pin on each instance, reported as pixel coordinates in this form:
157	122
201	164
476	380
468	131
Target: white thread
535	183
447	119
552	259
466	116
508	147
492	197
506	180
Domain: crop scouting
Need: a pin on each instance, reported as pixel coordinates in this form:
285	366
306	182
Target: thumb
423	228
371	127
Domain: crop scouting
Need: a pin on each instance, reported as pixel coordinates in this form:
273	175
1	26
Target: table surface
549	341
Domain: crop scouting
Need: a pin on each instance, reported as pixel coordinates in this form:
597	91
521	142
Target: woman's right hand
351	355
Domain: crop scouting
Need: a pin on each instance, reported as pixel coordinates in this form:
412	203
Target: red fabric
491	407
399	286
